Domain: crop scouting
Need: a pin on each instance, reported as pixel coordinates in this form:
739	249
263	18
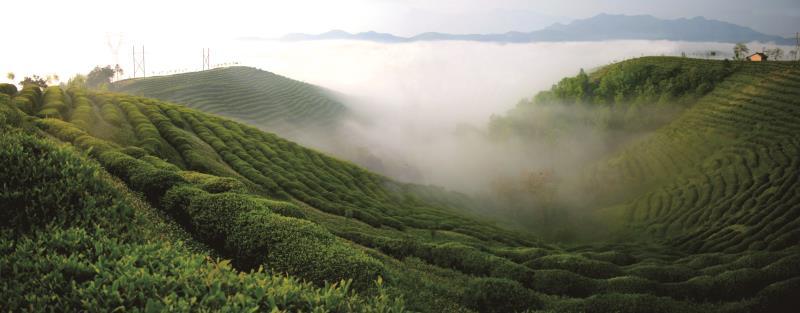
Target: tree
53	78
99	76
77	82
117	72
740	51
34	80
11	76
775	54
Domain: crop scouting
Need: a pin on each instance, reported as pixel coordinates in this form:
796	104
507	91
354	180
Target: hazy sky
404	17
66	37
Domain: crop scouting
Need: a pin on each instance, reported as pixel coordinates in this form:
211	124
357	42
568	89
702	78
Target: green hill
253	96
112	200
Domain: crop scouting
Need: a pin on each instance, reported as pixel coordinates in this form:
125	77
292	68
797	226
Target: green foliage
44	185
499	295
246	230
67	245
10	116
720	183
245	94
83	114
72	270
100	76
476	262
635	95
302	248
145	130
214	184
34	80
626	303
576	264
562	282
54	105
29	99
112	114
8	89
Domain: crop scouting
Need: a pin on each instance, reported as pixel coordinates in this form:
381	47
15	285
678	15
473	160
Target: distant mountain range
600	27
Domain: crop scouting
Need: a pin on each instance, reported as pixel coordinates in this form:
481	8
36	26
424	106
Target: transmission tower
114	40
138	64
206	58
797	47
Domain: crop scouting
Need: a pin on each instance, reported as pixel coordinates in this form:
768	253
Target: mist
420	111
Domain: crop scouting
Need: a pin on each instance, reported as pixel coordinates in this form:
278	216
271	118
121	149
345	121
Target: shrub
626	303
577	264
9	115
663	273
476	262
33	96
780	297
561	282
140	175
298	247
243	228
210	216
24	104
214	184
499	295
615	257
43	184
283	208
630	284
83	115
111	114
8	89
521	255
135	152
53	105
160	163
74	270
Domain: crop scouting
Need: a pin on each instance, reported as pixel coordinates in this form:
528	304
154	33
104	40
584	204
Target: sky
85	33
403	17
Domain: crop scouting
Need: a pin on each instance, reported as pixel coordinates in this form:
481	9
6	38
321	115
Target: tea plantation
276	103
114	201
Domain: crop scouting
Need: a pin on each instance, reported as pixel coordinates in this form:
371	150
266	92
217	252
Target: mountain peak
603	26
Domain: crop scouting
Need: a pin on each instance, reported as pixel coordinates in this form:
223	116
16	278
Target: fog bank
421	109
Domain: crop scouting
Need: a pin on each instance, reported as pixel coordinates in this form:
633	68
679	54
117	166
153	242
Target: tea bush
45	185
499	295
8	89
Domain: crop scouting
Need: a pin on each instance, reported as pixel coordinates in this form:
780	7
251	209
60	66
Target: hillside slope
275	103
724	175
260	201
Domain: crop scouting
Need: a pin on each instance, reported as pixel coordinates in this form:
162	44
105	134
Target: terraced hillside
110	180
273	102
724	175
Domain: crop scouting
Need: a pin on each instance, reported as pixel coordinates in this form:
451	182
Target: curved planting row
238	226
246	94
743	196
